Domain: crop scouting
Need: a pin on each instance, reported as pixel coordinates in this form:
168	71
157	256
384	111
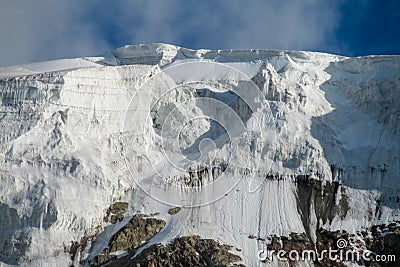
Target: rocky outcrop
139	230
183	251
116	212
188	251
174	211
323	196
380	242
384	240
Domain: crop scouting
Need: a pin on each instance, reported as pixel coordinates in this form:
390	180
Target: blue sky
47	29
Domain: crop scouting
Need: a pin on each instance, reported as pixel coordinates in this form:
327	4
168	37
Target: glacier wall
248	143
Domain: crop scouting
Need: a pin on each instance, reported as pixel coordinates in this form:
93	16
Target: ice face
235	137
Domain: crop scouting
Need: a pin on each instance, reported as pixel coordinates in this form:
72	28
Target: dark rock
118	207
187	251
139	230
183	251
135	233
174	211
325	206
276	243
117	218
117	211
385	241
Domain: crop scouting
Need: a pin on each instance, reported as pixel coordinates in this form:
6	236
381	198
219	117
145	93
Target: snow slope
227	135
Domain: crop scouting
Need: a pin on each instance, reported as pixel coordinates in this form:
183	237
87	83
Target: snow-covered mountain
161	150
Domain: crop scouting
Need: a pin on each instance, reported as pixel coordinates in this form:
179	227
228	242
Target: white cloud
235	24
45	29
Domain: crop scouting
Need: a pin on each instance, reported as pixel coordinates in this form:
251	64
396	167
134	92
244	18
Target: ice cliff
249	144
